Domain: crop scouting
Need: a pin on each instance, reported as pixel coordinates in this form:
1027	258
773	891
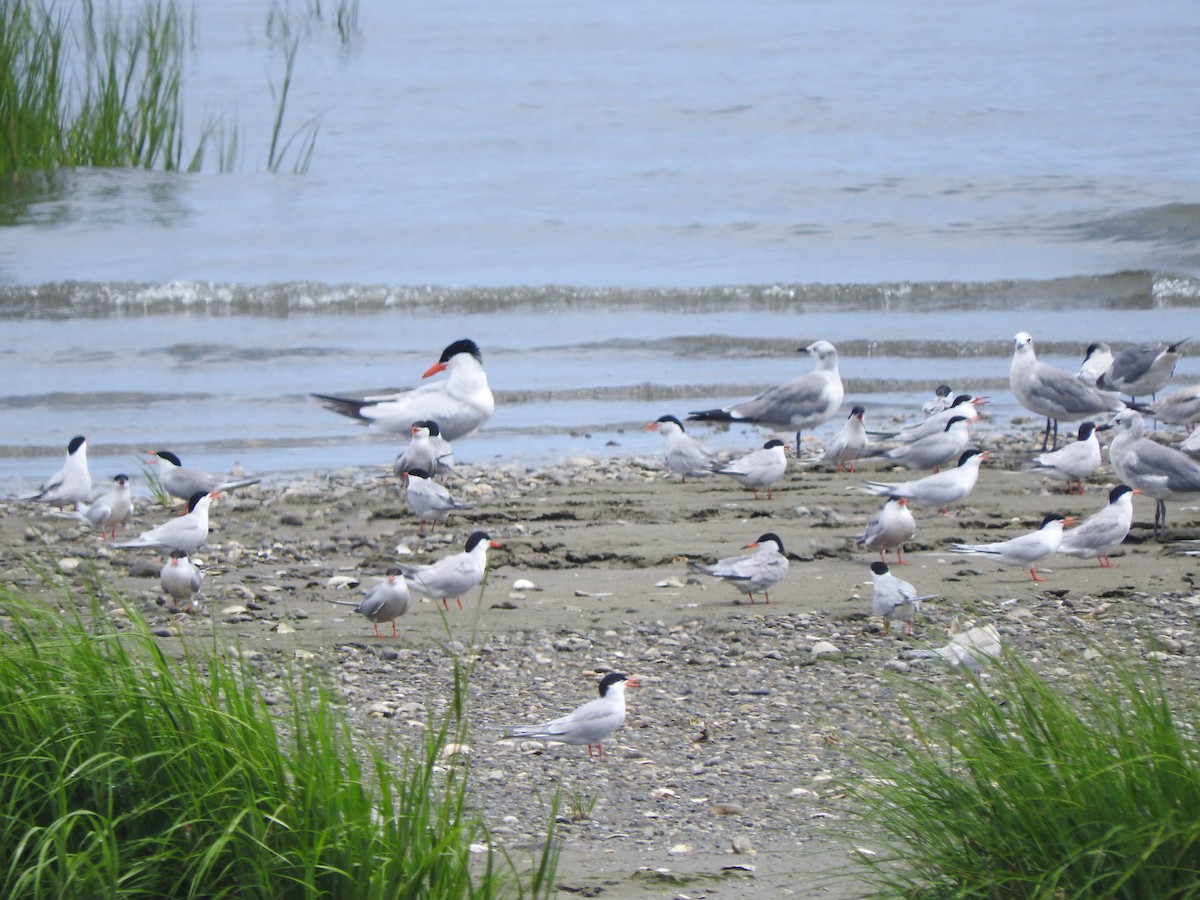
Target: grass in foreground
125	774
1024	789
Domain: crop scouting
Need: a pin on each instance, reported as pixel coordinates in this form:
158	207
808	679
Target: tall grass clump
1020	788
126	774
82	87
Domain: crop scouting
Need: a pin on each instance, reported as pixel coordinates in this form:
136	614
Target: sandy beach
723	781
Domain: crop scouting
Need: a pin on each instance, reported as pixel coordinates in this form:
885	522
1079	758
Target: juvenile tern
429	501
1072	463
760	468
1096	361
1054	393
753	573
894	599
1025	551
807	401
848	444
427	450
109	510
890	529
941	400
460	404
940	489
186	532
454	575
685	455
1102	532
1141	370
1161	472
181	580
72	483
591	724
385	601
182	481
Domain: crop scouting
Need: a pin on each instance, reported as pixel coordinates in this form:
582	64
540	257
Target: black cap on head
954	420
464	346
121	479
394	571
196	498
967	455
76	442
670	419
961	399
435	430
609	680
879	568
773	443
1118	492
178	554
1085	430
858	411
417	473
770	536
1052	517
475	538
168	456
943	390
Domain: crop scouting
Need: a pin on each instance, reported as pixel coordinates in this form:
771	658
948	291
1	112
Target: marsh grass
129	774
1089	788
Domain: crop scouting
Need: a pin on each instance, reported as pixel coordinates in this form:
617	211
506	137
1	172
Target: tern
932	450
894	598
1025	551
181	481
181	580
1141	370
591	724
759	468
847	445
753	573
1158	471
427	450
71	484
685	455
1054	393
454	575
964	405
1096	361
186	532
941	400
385	601
1071	463
1102	532
460	404
109	510
940	489
429	501
890	529
808	401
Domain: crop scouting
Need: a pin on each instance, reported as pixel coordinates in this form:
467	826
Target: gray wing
1054	388
1132	363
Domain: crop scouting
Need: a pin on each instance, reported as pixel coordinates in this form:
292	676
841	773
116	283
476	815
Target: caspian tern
685	455
1025	551
1071	463
808	401
186	532
753	573
181	580
427	450
1102	532
759	468
940	489
1054	393
1161	472
591	724
454	575
71	484
109	510
890	529
385	601
1141	370
429	501
894	599
460	404
182	481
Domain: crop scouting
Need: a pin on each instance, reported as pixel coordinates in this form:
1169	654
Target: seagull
685	455
181	481
894	598
1190	444
1056	394
941	400
186	532
1027	550
933	450
454	575
460	404
181	579
110	510
1179	408
760	468
1141	369
72	483
591	724
964	405
754	573
1158	471
808	401
1102	532
1071	463
890	529
1095	363
427	450
847	445
429	501
940	489
386	601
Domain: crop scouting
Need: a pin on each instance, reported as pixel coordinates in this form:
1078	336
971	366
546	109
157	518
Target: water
635	209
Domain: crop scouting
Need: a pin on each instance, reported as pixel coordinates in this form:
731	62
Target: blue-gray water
716	183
